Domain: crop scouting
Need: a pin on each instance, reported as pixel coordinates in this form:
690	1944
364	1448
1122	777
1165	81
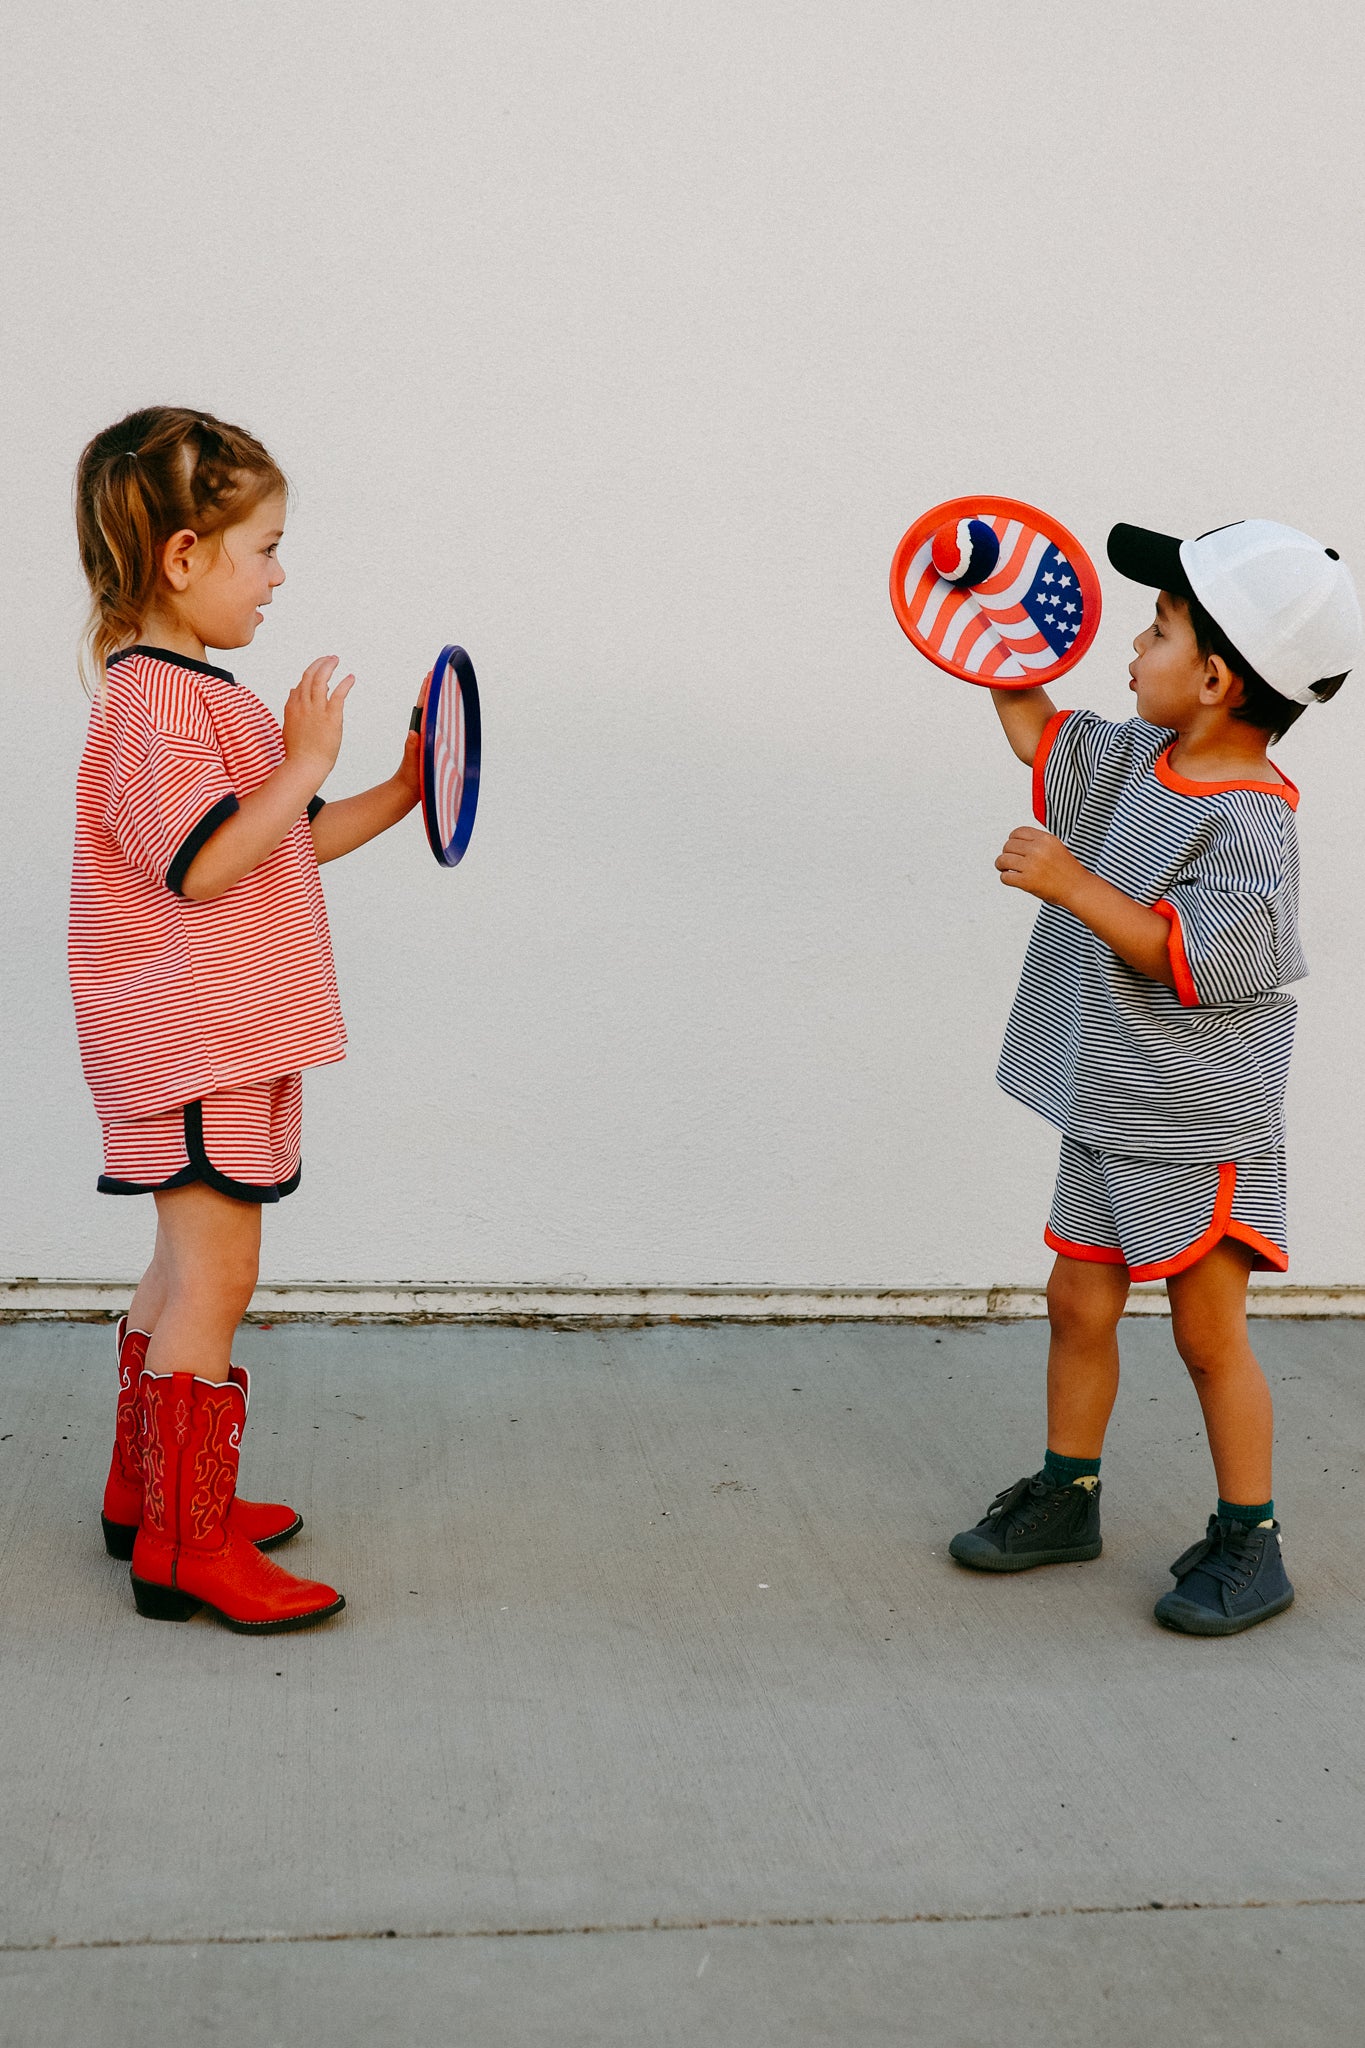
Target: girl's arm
342	826
1024	713
265	817
1033	860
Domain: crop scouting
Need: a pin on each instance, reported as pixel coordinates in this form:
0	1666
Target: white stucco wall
621	341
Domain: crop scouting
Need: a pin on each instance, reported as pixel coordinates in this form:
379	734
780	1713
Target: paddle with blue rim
447	719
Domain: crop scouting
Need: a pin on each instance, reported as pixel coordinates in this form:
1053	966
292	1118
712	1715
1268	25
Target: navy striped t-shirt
1116	1060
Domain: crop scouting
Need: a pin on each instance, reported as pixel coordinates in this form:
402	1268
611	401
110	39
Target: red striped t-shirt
174	999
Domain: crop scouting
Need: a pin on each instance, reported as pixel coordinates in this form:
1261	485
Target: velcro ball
965	552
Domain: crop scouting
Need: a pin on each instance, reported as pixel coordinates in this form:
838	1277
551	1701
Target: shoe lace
1227	1554
1025	1493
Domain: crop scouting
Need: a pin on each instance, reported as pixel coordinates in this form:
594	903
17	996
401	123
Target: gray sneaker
1033	1522
1231	1579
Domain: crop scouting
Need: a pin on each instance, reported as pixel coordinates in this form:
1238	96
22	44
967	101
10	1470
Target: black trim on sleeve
196	840
315	804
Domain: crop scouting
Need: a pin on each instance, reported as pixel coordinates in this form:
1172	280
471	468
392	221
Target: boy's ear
1222	685
175	558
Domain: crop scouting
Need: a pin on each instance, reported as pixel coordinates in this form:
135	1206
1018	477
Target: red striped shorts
244	1142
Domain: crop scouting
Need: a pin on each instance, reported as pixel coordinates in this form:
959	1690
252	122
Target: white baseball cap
1287	603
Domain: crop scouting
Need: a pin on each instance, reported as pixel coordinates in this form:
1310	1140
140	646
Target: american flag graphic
449	754
1021	621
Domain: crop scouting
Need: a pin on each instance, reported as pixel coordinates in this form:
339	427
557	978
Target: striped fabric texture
177	1000
1120	1062
245	1142
1158	1217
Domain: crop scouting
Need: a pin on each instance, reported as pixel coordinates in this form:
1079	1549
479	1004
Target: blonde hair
155	473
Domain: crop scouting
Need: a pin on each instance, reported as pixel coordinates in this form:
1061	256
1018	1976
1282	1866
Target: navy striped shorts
1160	1216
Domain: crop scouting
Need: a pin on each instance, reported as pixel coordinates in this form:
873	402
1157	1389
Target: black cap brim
1150	558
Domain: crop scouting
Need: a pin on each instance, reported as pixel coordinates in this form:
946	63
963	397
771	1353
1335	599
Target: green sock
1231	1511
1066	1471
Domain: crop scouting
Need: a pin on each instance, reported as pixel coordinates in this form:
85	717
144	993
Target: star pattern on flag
1053	601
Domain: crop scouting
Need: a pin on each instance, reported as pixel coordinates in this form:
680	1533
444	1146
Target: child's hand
409	776
1035	861
312	718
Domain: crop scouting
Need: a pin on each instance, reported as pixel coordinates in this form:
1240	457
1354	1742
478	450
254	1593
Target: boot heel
163	1603
118	1538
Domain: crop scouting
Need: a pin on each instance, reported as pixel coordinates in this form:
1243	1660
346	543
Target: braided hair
155	473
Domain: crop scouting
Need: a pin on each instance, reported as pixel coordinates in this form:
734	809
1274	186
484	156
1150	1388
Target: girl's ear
176	558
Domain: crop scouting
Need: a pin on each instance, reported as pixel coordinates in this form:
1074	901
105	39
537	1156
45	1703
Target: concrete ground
658	1714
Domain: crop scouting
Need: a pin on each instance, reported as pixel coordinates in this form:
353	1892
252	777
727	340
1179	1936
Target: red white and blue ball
966	552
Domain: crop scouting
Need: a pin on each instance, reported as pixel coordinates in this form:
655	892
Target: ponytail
157	472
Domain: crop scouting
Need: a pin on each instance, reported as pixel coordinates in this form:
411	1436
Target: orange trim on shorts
1269	1256
1046	742
1175	947
1096	1254
1166	1269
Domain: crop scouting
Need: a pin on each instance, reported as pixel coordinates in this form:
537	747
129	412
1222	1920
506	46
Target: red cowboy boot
264	1523
189	1552
123	1488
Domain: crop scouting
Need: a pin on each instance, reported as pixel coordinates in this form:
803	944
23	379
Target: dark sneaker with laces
1033	1522
1231	1579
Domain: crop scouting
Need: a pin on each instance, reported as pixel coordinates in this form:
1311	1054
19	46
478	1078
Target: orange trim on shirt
1175	947
1166	1269
1270	1258
1095	1254
1046	742
1174	780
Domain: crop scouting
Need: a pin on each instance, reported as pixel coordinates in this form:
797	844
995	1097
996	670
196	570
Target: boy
1152	1026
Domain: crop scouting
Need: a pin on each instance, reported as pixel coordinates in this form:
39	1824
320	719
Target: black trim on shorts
202	1169
195	841
107	1185
200	668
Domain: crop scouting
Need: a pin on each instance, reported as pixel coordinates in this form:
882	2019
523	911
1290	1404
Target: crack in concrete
775	1921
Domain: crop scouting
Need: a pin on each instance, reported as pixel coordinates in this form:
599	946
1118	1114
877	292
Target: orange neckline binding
1173	779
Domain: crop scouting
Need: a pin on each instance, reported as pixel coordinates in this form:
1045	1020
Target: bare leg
1209	1319
1084	1302
208	1256
150	1299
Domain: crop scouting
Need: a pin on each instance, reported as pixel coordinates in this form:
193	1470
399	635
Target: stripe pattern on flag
449	755
1019	623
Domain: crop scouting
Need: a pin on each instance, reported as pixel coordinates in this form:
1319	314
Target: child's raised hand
409	775
1034	860
313	717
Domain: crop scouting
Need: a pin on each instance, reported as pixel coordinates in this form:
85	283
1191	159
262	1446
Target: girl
201	967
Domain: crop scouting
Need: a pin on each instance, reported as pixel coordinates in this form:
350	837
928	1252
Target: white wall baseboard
459	1302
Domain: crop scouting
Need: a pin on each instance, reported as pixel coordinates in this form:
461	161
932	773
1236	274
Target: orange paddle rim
985	635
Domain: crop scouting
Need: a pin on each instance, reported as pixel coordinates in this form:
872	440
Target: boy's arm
1024	714
1033	860
342	826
